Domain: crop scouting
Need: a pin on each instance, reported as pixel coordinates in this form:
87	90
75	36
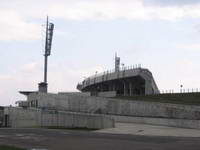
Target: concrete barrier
32	117
100	105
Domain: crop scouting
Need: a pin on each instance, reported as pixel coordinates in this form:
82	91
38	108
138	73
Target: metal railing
182	90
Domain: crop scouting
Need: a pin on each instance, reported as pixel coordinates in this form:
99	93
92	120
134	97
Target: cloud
30	67
189	47
16	17
106	9
13	27
171	2
121	9
98	10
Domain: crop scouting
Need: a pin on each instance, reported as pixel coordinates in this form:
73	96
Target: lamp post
181	87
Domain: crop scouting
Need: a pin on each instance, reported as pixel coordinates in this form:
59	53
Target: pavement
150	130
123	137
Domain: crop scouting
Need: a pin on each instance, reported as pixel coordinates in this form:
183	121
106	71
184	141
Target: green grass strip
5	147
174	98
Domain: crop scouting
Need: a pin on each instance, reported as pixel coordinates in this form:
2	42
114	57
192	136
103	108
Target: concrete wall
19	117
182	123
107	94
89	104
75	93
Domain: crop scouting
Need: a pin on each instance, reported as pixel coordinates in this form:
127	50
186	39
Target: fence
182	90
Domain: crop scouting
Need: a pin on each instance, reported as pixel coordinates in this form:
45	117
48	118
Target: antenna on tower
48	42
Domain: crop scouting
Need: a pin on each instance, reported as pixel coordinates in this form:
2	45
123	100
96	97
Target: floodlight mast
48	43
45	53
43	86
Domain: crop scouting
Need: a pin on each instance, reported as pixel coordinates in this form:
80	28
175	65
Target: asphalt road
52	139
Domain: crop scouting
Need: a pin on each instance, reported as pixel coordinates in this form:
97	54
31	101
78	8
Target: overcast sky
162	35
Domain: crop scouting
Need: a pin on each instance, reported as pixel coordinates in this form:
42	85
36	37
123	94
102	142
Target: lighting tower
48	42
117	63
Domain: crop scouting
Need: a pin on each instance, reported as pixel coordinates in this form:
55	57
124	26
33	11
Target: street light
181	86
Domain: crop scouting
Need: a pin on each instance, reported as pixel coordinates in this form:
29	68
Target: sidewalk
150	130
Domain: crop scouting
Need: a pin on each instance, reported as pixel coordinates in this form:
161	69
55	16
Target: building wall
32	117
89	104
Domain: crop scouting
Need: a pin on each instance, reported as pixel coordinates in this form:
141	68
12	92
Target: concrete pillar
113	87
148	87
125	88
130	89
110	86
101	87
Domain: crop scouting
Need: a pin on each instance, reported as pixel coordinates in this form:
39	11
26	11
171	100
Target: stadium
123	81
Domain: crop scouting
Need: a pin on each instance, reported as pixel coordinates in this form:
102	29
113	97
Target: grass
5	147
174	98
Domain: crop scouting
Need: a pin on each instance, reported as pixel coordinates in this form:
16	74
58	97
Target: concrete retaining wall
182	123
75	93
107	94
19	117
89	104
